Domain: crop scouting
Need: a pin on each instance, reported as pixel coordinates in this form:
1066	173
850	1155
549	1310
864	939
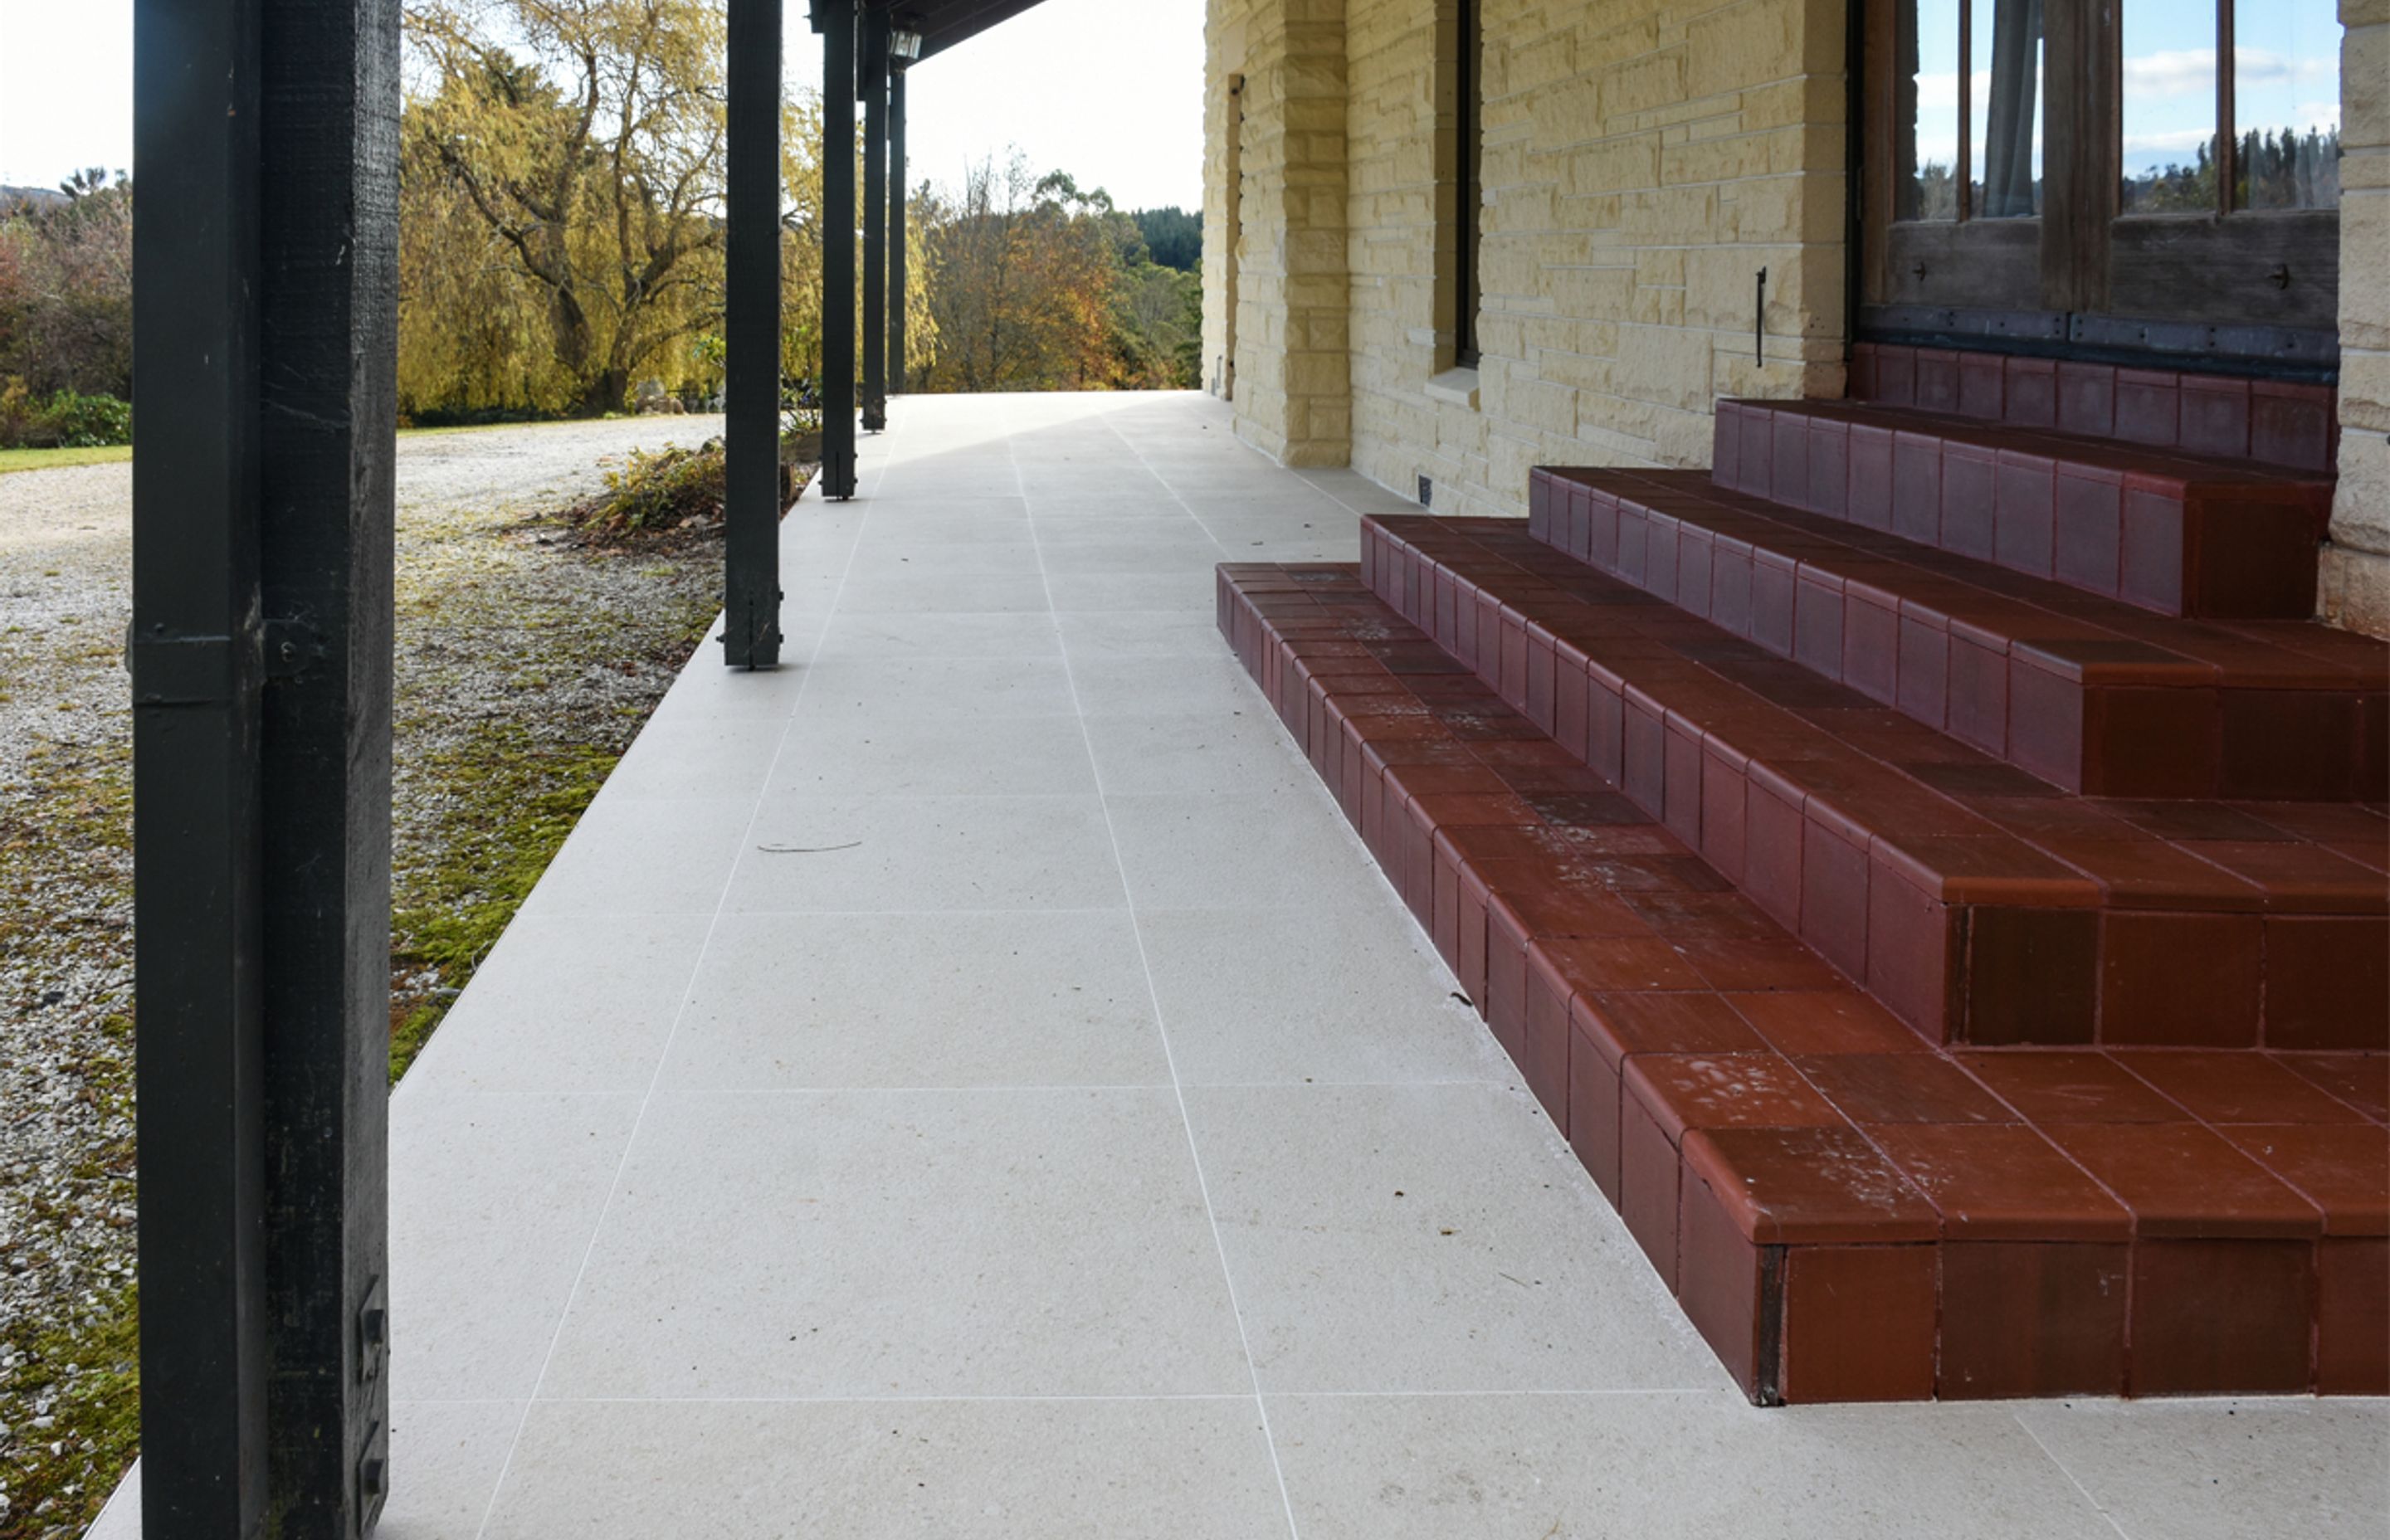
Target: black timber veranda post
872	77
751	619
897	254
835	19
266	262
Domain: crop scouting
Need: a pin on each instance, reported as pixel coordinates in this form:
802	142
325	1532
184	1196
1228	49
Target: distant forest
1033	283
1172	237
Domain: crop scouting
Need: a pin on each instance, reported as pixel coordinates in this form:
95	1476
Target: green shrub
655	494
89	422
63	421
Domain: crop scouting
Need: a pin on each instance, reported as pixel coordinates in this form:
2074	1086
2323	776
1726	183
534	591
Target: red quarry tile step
2267	421
1843	1210
1979	904
2084	692
2165	529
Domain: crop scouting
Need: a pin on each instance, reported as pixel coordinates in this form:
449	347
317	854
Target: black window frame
1468	143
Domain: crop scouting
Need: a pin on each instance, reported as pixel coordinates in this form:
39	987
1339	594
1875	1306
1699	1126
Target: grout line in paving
996	1088
1606	1394
663	1057
2064	1470
1309	785
1162	1030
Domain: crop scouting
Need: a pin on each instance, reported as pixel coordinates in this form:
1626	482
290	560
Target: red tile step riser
2151	722
1845	1213
1944	949
2271	422
2161	534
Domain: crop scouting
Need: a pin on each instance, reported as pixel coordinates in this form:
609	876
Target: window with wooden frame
2110	174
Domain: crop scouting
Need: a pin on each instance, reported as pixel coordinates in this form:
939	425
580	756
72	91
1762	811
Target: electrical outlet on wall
1427	493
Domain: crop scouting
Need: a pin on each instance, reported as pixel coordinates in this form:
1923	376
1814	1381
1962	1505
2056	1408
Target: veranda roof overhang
943	24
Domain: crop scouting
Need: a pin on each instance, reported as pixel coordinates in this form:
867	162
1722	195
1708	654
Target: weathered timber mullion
750	629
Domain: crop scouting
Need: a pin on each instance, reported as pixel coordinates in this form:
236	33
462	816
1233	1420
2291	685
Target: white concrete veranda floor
970	1083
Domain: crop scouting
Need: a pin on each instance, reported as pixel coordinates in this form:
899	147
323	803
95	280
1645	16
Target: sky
1110	93
2287	55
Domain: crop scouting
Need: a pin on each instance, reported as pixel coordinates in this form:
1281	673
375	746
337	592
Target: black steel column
897	254
872	77
266	324
836	20
751	626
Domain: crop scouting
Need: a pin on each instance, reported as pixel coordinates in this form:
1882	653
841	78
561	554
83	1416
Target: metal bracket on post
291	649
373	1477
1759	323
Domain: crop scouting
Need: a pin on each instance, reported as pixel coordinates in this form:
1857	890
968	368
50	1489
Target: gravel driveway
514	641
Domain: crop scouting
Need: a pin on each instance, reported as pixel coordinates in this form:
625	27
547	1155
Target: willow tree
564	165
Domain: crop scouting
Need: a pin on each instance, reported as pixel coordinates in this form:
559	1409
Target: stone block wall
1283	133
1643	160
2357	563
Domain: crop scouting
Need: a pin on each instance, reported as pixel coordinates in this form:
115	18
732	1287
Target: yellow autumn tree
561	202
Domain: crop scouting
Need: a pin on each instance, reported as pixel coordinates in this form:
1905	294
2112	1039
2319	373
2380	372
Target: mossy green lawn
51	459
516	801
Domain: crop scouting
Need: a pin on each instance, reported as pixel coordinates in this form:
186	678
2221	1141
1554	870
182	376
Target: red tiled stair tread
2066	628
2057	442
2237	1088
1686	1022
2267	421
1839	845
1812	1186
1901	1088
1808	1124
1742	1090
2343	1170
2069	1086
1826	1021
1929	798
2001	1182
2167	528
2185	1180
2360	1080
2092	684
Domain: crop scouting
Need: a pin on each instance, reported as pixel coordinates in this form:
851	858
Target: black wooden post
872	77
897	254
198	667
266	323
750	625
835	19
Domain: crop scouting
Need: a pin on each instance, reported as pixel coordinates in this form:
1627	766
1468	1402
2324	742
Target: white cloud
2262	67
2172	72
2174	140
